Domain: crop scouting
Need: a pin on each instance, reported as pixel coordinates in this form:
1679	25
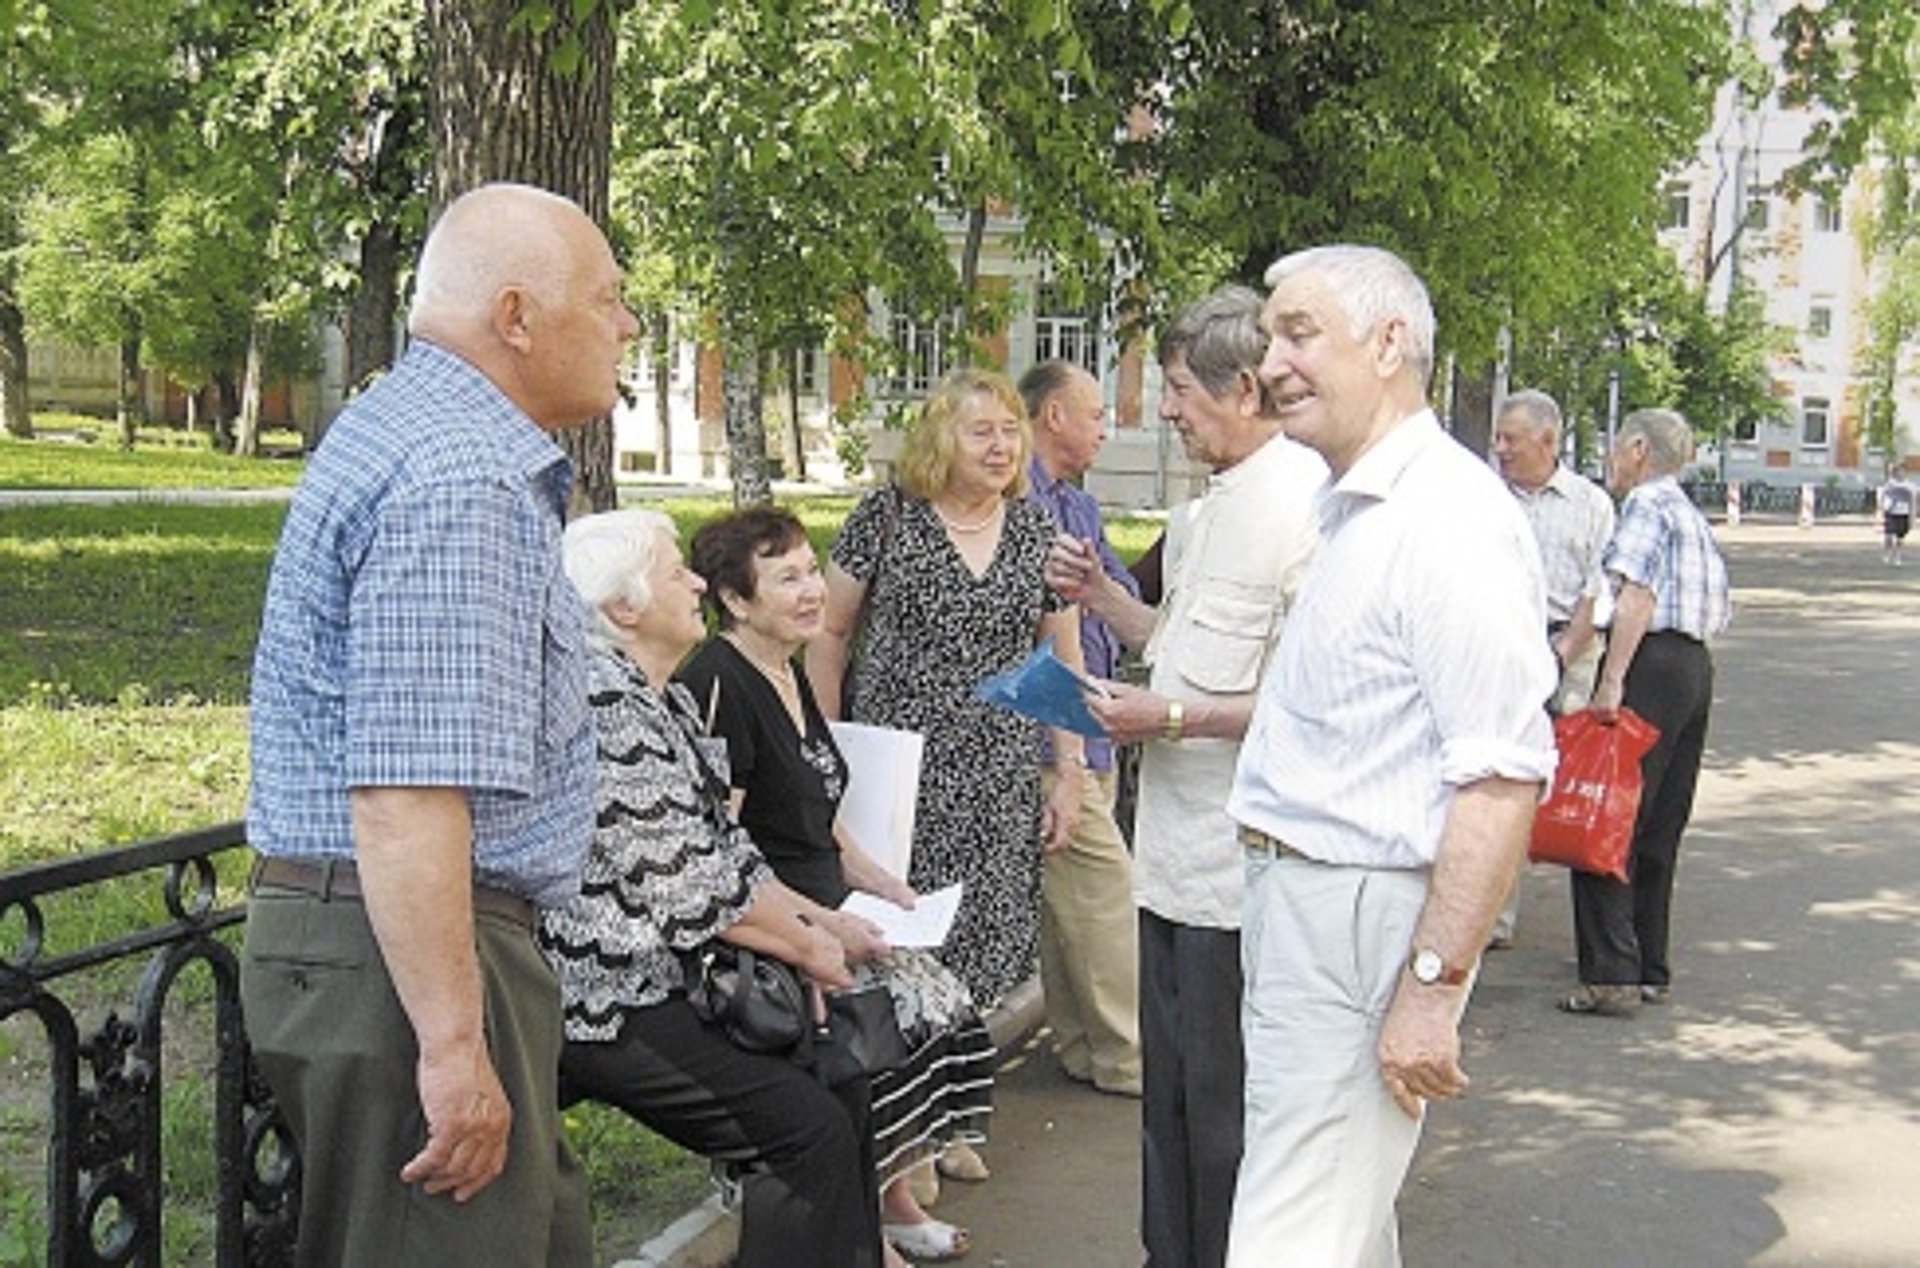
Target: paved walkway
1769	1117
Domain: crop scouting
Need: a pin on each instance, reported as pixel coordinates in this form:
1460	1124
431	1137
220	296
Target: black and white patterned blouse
668	870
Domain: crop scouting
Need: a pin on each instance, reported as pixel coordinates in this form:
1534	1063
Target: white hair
1372	286
608	556
1541	412
1668	437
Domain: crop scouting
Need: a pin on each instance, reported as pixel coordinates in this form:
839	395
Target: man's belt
331	879
1258	842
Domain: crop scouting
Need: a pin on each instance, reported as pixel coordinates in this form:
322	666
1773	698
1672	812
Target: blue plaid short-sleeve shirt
419	631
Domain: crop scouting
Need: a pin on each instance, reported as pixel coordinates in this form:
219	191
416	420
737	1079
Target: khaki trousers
1089	946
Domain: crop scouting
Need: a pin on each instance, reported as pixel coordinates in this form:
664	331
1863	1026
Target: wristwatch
1430	968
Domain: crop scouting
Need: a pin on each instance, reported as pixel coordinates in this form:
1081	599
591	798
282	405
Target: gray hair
1220	337
488	239
1668	435
1541	412
607	557
1373	285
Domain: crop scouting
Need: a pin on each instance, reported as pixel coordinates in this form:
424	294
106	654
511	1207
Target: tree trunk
970	278
507	103
746	426
370	318
796	441
662	353
246	437
388	177
15	406
130	406
1473	409
226	410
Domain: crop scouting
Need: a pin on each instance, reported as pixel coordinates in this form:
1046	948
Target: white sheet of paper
883	788
925	926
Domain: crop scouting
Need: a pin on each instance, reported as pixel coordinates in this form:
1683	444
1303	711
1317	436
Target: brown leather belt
329	879
1258	842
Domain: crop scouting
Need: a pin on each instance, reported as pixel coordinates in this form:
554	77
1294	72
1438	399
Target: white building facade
1729	220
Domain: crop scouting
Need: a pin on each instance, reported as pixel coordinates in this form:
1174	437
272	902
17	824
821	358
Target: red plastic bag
1586	822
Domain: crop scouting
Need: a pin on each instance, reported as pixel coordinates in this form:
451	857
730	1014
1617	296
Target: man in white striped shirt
1572	519
1390	772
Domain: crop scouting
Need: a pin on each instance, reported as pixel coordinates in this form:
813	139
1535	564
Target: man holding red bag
1671	597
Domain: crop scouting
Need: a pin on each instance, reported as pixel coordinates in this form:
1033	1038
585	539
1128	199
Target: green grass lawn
75	452
126	642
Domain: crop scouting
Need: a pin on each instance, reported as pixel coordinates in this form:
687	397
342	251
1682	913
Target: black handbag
861	1038
759	1001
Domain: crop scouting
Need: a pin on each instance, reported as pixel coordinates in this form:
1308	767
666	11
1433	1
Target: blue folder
1046	689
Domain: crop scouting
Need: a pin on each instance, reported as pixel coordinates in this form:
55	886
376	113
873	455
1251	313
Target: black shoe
1603	1001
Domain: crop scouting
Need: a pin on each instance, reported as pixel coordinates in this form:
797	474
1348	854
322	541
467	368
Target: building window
1819	321
1758	207
1814	420
1062	334
1826	216
1678	213
806	370
922	350
1746	431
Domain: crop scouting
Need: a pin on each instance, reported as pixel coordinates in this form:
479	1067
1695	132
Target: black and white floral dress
933	632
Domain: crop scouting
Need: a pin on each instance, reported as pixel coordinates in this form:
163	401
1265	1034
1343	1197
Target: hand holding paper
925	926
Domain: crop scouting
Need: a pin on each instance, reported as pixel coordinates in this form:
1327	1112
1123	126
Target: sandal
931	1240
1603	1001
924	1182
958	1161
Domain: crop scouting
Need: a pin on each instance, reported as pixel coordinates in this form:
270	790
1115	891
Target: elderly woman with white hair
668	871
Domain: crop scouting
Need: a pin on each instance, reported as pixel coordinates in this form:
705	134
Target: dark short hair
723	551
1038	385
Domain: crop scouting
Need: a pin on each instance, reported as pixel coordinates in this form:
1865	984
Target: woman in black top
787	775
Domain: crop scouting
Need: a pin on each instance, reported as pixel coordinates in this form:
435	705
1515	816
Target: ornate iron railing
105	1192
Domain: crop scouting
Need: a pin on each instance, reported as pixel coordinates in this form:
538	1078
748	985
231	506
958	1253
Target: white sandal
930	1240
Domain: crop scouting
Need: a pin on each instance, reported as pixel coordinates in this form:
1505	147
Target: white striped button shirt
1412	663
1572	520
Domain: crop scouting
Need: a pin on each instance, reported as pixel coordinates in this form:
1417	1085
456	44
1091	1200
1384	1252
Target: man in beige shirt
1232	561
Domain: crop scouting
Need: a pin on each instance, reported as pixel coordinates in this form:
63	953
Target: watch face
1428	966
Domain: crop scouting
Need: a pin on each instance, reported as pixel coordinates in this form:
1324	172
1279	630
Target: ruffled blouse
668	869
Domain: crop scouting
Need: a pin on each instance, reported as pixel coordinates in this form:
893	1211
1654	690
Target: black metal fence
105	1185
1760	498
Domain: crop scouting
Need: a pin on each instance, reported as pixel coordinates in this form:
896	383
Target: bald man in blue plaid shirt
423	761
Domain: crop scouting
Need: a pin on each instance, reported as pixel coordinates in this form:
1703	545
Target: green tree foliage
334	90
86	268
792	158
1509	149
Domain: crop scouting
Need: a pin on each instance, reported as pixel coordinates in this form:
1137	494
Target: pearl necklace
977	526
779	676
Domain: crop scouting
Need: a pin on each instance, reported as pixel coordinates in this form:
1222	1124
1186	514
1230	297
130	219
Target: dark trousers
339	1053
1621	928
1193	1078
810	1198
